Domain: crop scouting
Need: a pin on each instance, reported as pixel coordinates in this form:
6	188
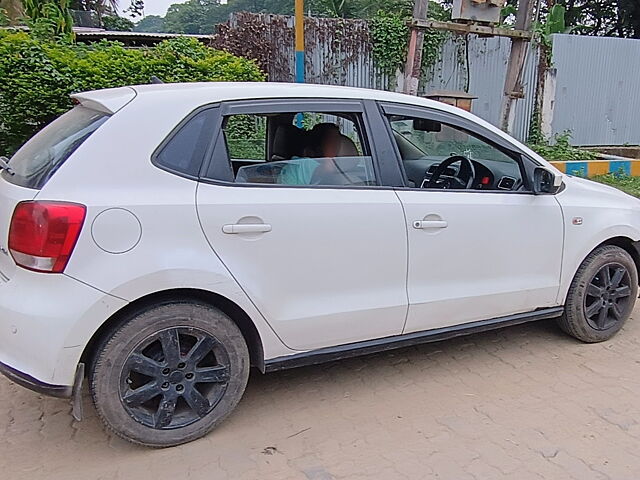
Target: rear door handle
246	228
423	224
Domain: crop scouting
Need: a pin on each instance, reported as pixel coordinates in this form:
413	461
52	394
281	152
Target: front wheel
601	296
170	374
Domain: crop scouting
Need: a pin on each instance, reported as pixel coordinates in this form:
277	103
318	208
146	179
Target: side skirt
340	352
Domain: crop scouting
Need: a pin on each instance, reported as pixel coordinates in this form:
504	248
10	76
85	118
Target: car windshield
38	159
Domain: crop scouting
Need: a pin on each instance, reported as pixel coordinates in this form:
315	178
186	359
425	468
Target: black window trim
525	163
211	123
287	105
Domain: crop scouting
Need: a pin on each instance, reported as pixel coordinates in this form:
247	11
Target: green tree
620	18
118	24
150	23
193	16
360	8
201	16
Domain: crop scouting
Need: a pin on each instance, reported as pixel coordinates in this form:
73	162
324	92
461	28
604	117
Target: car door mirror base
546	182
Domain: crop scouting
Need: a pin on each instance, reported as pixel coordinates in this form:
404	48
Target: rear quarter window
184	150
38	159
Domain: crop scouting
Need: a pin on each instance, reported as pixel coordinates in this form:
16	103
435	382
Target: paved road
521	403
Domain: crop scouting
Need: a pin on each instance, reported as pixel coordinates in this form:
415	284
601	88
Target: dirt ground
521	403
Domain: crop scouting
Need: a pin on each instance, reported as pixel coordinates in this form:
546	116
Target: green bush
37	76
630	185
561	149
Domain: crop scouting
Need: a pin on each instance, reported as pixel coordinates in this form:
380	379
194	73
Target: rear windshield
38	159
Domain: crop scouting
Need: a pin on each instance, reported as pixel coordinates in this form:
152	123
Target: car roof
234	90
207	92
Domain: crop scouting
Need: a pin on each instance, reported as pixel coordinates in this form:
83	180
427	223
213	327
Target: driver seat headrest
347	147
287	142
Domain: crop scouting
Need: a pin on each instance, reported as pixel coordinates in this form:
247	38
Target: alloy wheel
174	378
607	296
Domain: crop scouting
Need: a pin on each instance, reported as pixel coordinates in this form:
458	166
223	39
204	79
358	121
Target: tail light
42	235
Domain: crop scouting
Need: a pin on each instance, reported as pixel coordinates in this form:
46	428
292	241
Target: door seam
406	282
206	238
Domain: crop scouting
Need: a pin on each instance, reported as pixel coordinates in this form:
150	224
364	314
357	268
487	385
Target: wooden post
414	52
513	79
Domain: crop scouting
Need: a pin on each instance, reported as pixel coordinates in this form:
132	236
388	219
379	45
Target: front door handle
246	228
424	224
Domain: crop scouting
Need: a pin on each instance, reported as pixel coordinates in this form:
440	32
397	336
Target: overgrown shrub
560	149
37	76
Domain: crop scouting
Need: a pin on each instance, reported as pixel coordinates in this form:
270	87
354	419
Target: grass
630	185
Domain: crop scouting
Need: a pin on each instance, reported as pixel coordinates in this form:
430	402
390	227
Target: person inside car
324	144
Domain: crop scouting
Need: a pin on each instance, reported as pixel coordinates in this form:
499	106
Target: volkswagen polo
161	240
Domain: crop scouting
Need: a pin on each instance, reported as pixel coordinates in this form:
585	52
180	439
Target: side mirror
545	181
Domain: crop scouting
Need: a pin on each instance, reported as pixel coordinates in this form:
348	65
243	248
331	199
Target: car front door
487	250
317	244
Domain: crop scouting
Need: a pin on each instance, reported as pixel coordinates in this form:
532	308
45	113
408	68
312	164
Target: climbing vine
337	44
543	31
389	36
389	33
555	23
434	39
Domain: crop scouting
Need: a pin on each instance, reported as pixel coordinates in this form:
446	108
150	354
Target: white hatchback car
164	238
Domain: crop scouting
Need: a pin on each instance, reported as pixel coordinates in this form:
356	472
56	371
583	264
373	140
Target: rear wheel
170	374
601	296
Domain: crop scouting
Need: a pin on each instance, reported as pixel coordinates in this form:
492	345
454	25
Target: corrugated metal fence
338	52
598	79
478	66
597	89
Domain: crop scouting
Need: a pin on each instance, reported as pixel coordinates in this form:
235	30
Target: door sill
348	350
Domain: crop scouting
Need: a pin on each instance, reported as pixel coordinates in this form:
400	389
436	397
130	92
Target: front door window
437	155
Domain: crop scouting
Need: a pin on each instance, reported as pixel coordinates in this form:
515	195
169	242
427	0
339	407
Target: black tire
601	296
181	353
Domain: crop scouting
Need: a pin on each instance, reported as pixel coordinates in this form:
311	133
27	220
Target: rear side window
299	148
184	151
38	159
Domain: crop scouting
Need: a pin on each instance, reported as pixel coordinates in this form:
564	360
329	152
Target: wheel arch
627	245
228	307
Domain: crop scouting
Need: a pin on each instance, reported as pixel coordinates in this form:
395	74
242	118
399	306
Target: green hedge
36	77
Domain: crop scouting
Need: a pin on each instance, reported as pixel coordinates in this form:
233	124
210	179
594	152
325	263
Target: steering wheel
463	179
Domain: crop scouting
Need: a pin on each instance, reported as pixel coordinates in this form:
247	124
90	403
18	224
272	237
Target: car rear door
324	264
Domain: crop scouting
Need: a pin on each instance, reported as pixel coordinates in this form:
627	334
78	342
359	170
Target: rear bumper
27	381
45	322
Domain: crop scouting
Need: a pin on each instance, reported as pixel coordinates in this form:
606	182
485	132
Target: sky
158	7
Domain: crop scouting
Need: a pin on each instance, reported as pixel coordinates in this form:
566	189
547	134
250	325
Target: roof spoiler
109	100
